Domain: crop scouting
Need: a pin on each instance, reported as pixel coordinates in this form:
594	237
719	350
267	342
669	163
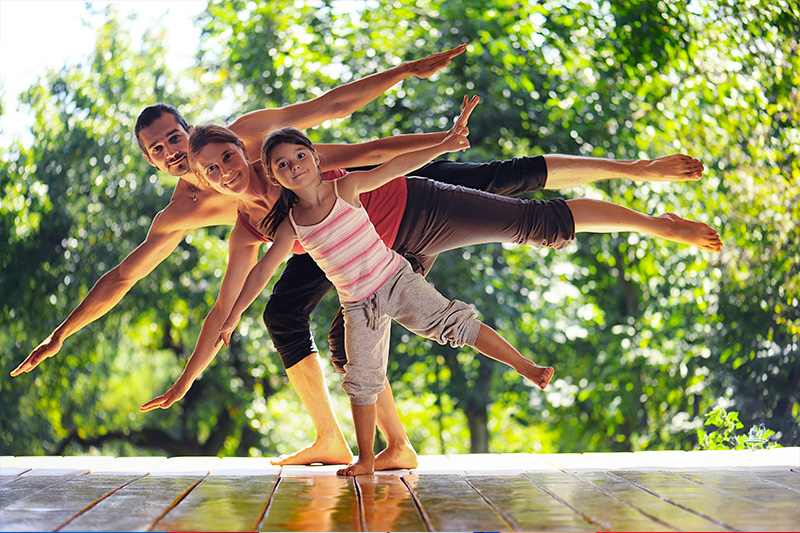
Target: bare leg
330	446
565	171
492	345
597	216
399	452
364	422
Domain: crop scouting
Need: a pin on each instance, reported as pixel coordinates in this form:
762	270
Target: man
163	136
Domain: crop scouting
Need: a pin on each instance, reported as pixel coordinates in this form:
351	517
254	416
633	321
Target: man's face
167	145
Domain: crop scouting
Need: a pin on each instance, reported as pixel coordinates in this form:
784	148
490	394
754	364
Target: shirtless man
163	137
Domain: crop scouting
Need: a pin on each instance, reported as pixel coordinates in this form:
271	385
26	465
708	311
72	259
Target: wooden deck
642	491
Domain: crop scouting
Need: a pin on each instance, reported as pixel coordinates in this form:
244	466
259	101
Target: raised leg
565	171
330	446
597	216
492	345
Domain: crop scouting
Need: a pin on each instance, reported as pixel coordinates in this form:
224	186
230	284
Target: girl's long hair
280	210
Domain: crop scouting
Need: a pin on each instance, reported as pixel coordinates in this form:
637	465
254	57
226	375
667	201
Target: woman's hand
175	393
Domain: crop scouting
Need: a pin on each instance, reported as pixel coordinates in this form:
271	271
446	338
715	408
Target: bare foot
540	375
685	231
327	452
397	457
359	467
675	167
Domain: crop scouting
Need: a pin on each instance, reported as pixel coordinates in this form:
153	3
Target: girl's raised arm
456	139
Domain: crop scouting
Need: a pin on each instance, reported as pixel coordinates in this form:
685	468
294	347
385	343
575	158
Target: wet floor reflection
313	503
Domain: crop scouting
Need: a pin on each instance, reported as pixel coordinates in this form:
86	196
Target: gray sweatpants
413	303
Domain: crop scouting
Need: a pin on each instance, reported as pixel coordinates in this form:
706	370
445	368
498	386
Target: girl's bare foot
675	167
540	375
397	457
685	231
327	452
359	467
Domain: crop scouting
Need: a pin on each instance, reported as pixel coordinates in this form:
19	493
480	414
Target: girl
374	282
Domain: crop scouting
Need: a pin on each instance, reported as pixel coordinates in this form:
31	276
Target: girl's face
294	165
224	166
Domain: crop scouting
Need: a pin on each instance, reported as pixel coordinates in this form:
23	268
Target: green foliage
723	435
646	336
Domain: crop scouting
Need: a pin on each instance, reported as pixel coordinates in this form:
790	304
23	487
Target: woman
434	218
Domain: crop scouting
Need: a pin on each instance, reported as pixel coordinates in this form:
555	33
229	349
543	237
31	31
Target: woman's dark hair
206	134
280	210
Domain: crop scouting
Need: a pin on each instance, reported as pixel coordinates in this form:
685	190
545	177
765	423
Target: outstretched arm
379	151
258	278
336	103
456	139
242	257
169	227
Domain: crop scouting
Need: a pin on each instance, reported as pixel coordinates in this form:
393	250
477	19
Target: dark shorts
438	217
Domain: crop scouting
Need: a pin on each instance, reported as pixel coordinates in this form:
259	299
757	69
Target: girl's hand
456	138
227	329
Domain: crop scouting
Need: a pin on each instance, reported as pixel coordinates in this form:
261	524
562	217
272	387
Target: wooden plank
387	504
527	507
27	487
131	465
222	503
649	504
722	507
313	503
69	466
483	463
49	509
751	458
449	503
595	505
785	477
137	506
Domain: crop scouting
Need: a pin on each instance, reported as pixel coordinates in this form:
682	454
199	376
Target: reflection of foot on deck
327	452
397	457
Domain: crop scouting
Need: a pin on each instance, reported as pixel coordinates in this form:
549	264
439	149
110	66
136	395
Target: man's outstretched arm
336	103
166	232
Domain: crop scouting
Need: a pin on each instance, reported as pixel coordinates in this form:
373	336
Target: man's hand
48	348
428	66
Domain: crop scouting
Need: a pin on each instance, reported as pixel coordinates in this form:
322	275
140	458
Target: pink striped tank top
347	248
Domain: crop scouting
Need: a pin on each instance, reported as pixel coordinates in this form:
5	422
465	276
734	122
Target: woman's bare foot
540	375
359	467
675	167
397	457
685	231
325	451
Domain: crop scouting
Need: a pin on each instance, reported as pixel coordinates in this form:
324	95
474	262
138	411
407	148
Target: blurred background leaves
647	337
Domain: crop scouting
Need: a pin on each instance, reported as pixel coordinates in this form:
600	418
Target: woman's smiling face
224	167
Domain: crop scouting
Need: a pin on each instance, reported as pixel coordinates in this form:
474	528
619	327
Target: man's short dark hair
152	113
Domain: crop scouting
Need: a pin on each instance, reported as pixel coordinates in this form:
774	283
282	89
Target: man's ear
147	158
